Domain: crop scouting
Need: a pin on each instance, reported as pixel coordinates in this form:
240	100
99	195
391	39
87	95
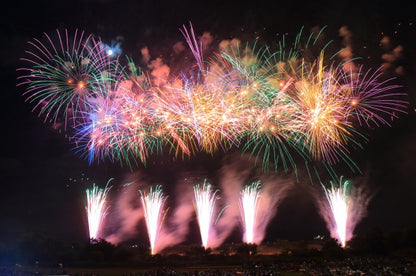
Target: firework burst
64	74
278	106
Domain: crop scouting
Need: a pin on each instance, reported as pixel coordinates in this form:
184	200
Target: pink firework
153	203
96	208
205	198
249	199
343	209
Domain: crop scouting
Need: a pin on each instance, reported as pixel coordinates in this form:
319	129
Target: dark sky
43	181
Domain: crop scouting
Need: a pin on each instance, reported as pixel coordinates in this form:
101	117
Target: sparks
205	198
96	208
153	203
249	199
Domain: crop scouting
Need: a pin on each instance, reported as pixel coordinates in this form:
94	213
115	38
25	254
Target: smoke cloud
127	211
178	47
232	176
176	226
392	57
347	53
275	189
160	71
145	55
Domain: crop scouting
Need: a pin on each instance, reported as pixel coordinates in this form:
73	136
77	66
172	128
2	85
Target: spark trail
344	206
96	208
153	202
338	202
249	199
205	198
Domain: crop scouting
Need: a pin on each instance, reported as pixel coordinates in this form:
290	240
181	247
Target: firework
64	74
321	115
205	198
278	106
374	100
249	198
153	202
96	208
199	116
343	208
338	202
264	132
118	127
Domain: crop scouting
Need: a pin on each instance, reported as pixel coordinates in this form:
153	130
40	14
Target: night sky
43	180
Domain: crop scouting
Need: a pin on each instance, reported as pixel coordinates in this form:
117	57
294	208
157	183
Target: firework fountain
343	208
96	208
250	195
153	202
205	198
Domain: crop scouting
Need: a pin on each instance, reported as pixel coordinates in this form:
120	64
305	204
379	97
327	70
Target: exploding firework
96	208
343	208
205	198
372	100
279	106
153	202
249	198
65	72
117	127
